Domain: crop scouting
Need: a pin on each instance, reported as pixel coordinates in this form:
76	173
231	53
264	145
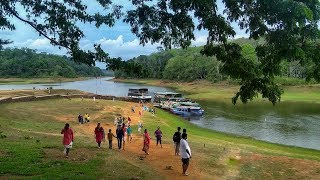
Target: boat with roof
139	94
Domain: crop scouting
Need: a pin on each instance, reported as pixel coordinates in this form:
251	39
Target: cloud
200	40
111	42
39	42
126	49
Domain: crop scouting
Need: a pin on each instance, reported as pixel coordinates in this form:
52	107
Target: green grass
207	91
32	146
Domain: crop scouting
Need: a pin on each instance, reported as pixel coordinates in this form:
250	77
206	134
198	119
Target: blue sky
118	41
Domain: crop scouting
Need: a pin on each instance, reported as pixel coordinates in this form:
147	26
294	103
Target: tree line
27	63
189	65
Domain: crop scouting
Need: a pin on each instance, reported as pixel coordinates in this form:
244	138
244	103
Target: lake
289	123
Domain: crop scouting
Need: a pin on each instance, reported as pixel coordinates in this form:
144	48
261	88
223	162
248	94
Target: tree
289	28
57	21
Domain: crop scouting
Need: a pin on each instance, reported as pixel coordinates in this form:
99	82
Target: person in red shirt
99	132
146	142
67	139
129	120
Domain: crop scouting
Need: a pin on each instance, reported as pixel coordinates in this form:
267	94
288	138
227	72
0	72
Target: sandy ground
161	159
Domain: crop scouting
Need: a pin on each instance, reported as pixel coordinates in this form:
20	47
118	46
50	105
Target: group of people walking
124	132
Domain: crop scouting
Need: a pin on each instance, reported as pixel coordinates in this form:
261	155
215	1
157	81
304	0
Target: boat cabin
138	91
165	96
139	94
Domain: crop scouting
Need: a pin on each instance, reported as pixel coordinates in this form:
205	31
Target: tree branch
35	27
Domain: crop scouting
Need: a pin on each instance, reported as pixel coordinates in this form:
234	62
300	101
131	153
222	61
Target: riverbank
30	146
10	81
38	92
207	91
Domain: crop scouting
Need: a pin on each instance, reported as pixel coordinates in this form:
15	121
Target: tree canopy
289	28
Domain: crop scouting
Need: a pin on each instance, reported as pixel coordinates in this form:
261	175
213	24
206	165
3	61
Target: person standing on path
185	152
110	137
139	127
129	132
184	131
129	120
146	142
99	133
176	139
120	134
158	134
67	138
124	129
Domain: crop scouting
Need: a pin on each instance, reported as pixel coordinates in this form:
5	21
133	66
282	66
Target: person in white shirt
185	153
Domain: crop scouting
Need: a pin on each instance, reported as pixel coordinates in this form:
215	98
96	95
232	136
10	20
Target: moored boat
165	96
187	111
139	94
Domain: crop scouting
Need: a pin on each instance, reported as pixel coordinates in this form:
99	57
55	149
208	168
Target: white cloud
200	40
111	42
39	42
126	49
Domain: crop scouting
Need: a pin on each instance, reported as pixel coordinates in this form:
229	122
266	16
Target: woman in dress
99	132
146	142
67	139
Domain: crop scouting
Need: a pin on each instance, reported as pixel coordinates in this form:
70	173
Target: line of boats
171	101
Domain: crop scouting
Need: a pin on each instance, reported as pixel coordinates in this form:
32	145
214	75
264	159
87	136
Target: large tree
58	20
289	27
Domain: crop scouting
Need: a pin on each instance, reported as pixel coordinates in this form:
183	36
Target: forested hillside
26	63
189	64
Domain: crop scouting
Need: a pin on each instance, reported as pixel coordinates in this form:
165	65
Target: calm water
287	123
99	86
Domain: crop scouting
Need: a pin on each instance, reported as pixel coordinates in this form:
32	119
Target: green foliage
289	29
192	67
27	63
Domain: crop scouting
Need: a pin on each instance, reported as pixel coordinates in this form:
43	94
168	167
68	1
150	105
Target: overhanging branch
38	30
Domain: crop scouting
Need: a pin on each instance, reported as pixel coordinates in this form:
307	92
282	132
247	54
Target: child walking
110	137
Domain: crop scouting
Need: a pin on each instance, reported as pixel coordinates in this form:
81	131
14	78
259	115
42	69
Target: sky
118	41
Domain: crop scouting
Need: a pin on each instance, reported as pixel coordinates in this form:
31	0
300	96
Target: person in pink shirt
146	142
67	139
99	132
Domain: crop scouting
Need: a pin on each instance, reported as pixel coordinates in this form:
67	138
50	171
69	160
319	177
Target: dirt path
162	160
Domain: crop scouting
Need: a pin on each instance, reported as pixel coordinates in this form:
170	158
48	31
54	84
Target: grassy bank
207	91
38	80
17	93
30	147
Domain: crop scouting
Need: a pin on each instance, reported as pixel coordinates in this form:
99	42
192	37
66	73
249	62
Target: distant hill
27	63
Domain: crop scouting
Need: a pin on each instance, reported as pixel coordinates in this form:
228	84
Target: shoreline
203	90
42	95
21	81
